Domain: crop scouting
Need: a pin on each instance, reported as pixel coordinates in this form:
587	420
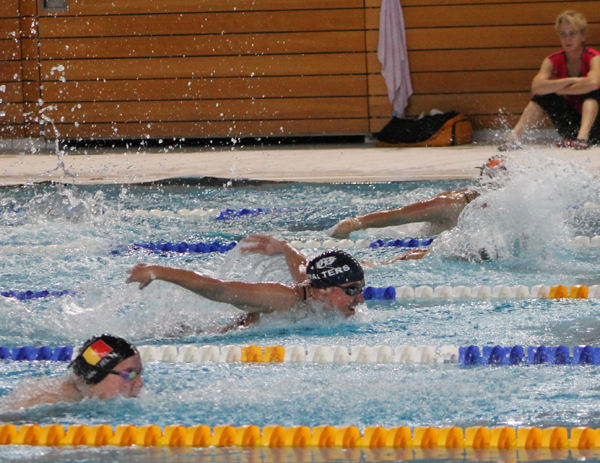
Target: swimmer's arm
269	245
543	83
249	297
444	207
585	84
245	320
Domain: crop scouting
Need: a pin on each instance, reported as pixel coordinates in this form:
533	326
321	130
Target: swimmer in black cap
335	278
106	366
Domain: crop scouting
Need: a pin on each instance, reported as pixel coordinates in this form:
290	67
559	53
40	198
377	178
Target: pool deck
310	163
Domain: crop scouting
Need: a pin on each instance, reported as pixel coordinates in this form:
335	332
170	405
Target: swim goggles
127	375
352	290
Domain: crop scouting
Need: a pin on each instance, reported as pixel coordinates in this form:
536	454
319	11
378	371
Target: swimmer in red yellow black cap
107	366
442	211
334	278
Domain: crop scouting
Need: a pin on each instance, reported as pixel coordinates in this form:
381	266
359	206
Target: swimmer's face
337	298
117	384
570	37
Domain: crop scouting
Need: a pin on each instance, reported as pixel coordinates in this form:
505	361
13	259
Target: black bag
419	131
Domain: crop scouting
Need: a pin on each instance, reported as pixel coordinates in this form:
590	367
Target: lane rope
25	295
407	293
347	437
382	354
216	246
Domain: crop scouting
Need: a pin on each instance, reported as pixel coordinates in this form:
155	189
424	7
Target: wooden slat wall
11	82
201	68
210	68
473	56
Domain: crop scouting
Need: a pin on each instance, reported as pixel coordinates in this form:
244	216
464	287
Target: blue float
516	355
62	354
586	355
5	353
369	293
470	356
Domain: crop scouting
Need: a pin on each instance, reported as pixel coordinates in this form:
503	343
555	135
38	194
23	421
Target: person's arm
585	84
250	297
543	83
242	321
269	245
445	206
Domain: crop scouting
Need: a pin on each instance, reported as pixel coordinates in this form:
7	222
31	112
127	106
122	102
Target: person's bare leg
532	114
589	112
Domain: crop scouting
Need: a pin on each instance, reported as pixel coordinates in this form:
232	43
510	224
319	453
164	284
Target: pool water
75	238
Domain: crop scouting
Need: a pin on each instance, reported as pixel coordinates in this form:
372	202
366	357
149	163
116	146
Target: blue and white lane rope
383	354
204	215
425	292
215	246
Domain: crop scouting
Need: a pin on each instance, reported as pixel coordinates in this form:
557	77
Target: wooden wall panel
207	67
426	16
111	7
10	50
461	82
215	88
211	23
469	60
181	65
207	129
508	3
9	8
209	45
263	109
11	88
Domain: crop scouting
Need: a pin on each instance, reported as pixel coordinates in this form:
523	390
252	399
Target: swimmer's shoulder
466	195
470	195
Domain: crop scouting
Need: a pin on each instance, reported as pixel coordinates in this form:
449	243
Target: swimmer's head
493	166
333	268
339	279
108	366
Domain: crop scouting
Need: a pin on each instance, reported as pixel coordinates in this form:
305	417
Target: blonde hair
574	18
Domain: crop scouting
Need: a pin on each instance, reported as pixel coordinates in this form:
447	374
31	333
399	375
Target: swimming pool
76	238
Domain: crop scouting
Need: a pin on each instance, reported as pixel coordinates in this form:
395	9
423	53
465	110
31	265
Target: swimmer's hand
345	227
142	274
262	244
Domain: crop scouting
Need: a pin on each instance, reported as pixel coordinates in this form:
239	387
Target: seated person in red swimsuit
565	88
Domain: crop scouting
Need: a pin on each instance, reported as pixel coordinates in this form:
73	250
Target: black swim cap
333	268
99	356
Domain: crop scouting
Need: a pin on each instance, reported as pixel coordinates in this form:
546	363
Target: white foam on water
528	213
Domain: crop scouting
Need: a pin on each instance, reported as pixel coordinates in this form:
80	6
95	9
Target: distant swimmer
106	367
566	88
442	211
333	278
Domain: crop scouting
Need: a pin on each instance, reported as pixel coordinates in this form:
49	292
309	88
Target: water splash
530	214
66	204
60	153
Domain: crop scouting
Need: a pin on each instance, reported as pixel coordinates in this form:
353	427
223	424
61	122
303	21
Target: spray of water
66	204
530	213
